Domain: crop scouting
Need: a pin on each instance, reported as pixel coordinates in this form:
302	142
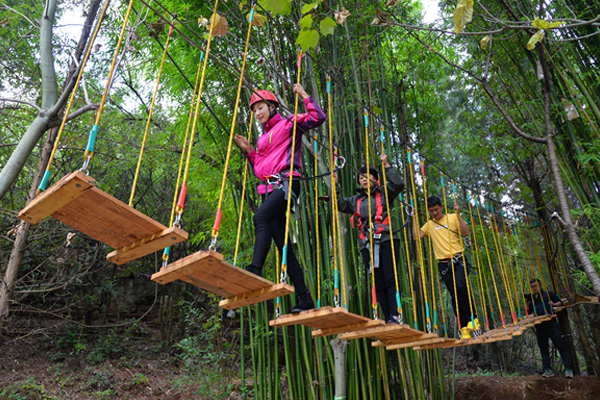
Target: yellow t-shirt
446	243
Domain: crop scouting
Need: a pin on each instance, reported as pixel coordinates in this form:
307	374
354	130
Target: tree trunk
339	354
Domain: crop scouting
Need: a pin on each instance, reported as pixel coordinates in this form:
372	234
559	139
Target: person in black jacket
541	302
358	205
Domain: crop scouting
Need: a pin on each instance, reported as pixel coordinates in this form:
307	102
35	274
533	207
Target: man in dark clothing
541	302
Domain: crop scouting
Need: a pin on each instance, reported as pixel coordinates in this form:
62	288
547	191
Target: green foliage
27	390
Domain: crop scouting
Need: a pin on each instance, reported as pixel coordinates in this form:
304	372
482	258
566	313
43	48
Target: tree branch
23	102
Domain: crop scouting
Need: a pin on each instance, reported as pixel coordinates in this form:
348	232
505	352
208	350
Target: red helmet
263	95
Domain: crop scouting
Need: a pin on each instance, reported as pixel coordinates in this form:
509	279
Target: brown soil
528	388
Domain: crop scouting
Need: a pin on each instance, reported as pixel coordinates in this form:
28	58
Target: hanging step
411	341
579	298
77	202
326	320
399	332
452	343
208	271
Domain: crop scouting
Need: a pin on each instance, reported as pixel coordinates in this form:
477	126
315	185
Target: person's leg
541	334
272	208
386	262
464	305
449	282
559	343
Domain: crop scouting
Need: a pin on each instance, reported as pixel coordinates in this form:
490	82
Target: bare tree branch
23	102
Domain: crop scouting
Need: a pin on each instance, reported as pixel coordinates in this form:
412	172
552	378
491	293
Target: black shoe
253	269
305	303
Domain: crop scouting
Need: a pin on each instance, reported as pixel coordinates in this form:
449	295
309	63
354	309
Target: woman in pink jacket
272	165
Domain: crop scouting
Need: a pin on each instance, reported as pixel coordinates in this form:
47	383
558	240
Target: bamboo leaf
327	26
306	22
307	39
541	24
257	19
484	42
277	7
341	15
463	14
309	7
535	38
221	26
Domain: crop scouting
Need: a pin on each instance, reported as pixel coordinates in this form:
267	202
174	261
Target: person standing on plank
272	163
358	206
446	232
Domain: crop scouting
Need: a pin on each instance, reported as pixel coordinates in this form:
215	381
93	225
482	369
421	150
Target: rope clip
85	166
411	212
340	164
213	244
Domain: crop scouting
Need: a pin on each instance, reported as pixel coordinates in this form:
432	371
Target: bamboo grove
394	82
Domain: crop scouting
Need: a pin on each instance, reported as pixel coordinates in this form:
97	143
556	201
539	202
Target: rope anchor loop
213	243
410	210
340	162
86	163
177	222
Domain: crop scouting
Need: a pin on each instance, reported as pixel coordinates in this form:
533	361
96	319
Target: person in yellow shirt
448	249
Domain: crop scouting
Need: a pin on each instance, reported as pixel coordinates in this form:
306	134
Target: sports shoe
569	373
254	269
473	327
548	373
394	319
305	303
465	333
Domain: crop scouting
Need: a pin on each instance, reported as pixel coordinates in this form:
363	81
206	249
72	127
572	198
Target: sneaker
304	303
548	373
254	270
394	319
474	326
569	373
465	333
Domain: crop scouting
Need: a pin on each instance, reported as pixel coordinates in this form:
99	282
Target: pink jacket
274	148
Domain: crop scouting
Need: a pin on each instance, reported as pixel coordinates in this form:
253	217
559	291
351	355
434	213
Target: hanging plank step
208	270
326	320
388	332
77	202
452	343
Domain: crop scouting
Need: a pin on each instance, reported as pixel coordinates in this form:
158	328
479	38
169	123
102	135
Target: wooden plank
148	245
414	343
56	196
579	298
404	339
389	331
208	270
257	296
346	328
324	318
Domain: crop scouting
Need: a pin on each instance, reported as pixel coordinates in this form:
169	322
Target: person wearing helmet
358	206
272	164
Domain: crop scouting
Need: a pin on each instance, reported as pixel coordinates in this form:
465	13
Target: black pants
269	224
550	330
385	279
464	307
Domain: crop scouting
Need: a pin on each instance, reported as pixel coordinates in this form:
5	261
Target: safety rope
370	228
450	247
409	264
318	238
149	119
216	226
419	248
387	204
431	259
46	177
283	277
508	229
244	183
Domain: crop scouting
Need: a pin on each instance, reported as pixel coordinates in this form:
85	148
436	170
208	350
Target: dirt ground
528	388
34	366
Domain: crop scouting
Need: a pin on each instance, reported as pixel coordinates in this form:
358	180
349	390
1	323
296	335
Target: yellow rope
291	177
318	239
185	144
245	179
334	206
389	217
409	267
419	247
478	263
514	249
149	119
74	91
451	255
487	252
215	231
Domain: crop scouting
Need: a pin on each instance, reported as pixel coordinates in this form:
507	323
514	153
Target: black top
539	304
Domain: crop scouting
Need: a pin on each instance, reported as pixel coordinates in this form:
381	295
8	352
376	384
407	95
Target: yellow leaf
221	26
484	42
341	15
463	14
541	24
537	37
257	19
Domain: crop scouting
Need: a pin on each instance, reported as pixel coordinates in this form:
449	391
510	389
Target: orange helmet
263	95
